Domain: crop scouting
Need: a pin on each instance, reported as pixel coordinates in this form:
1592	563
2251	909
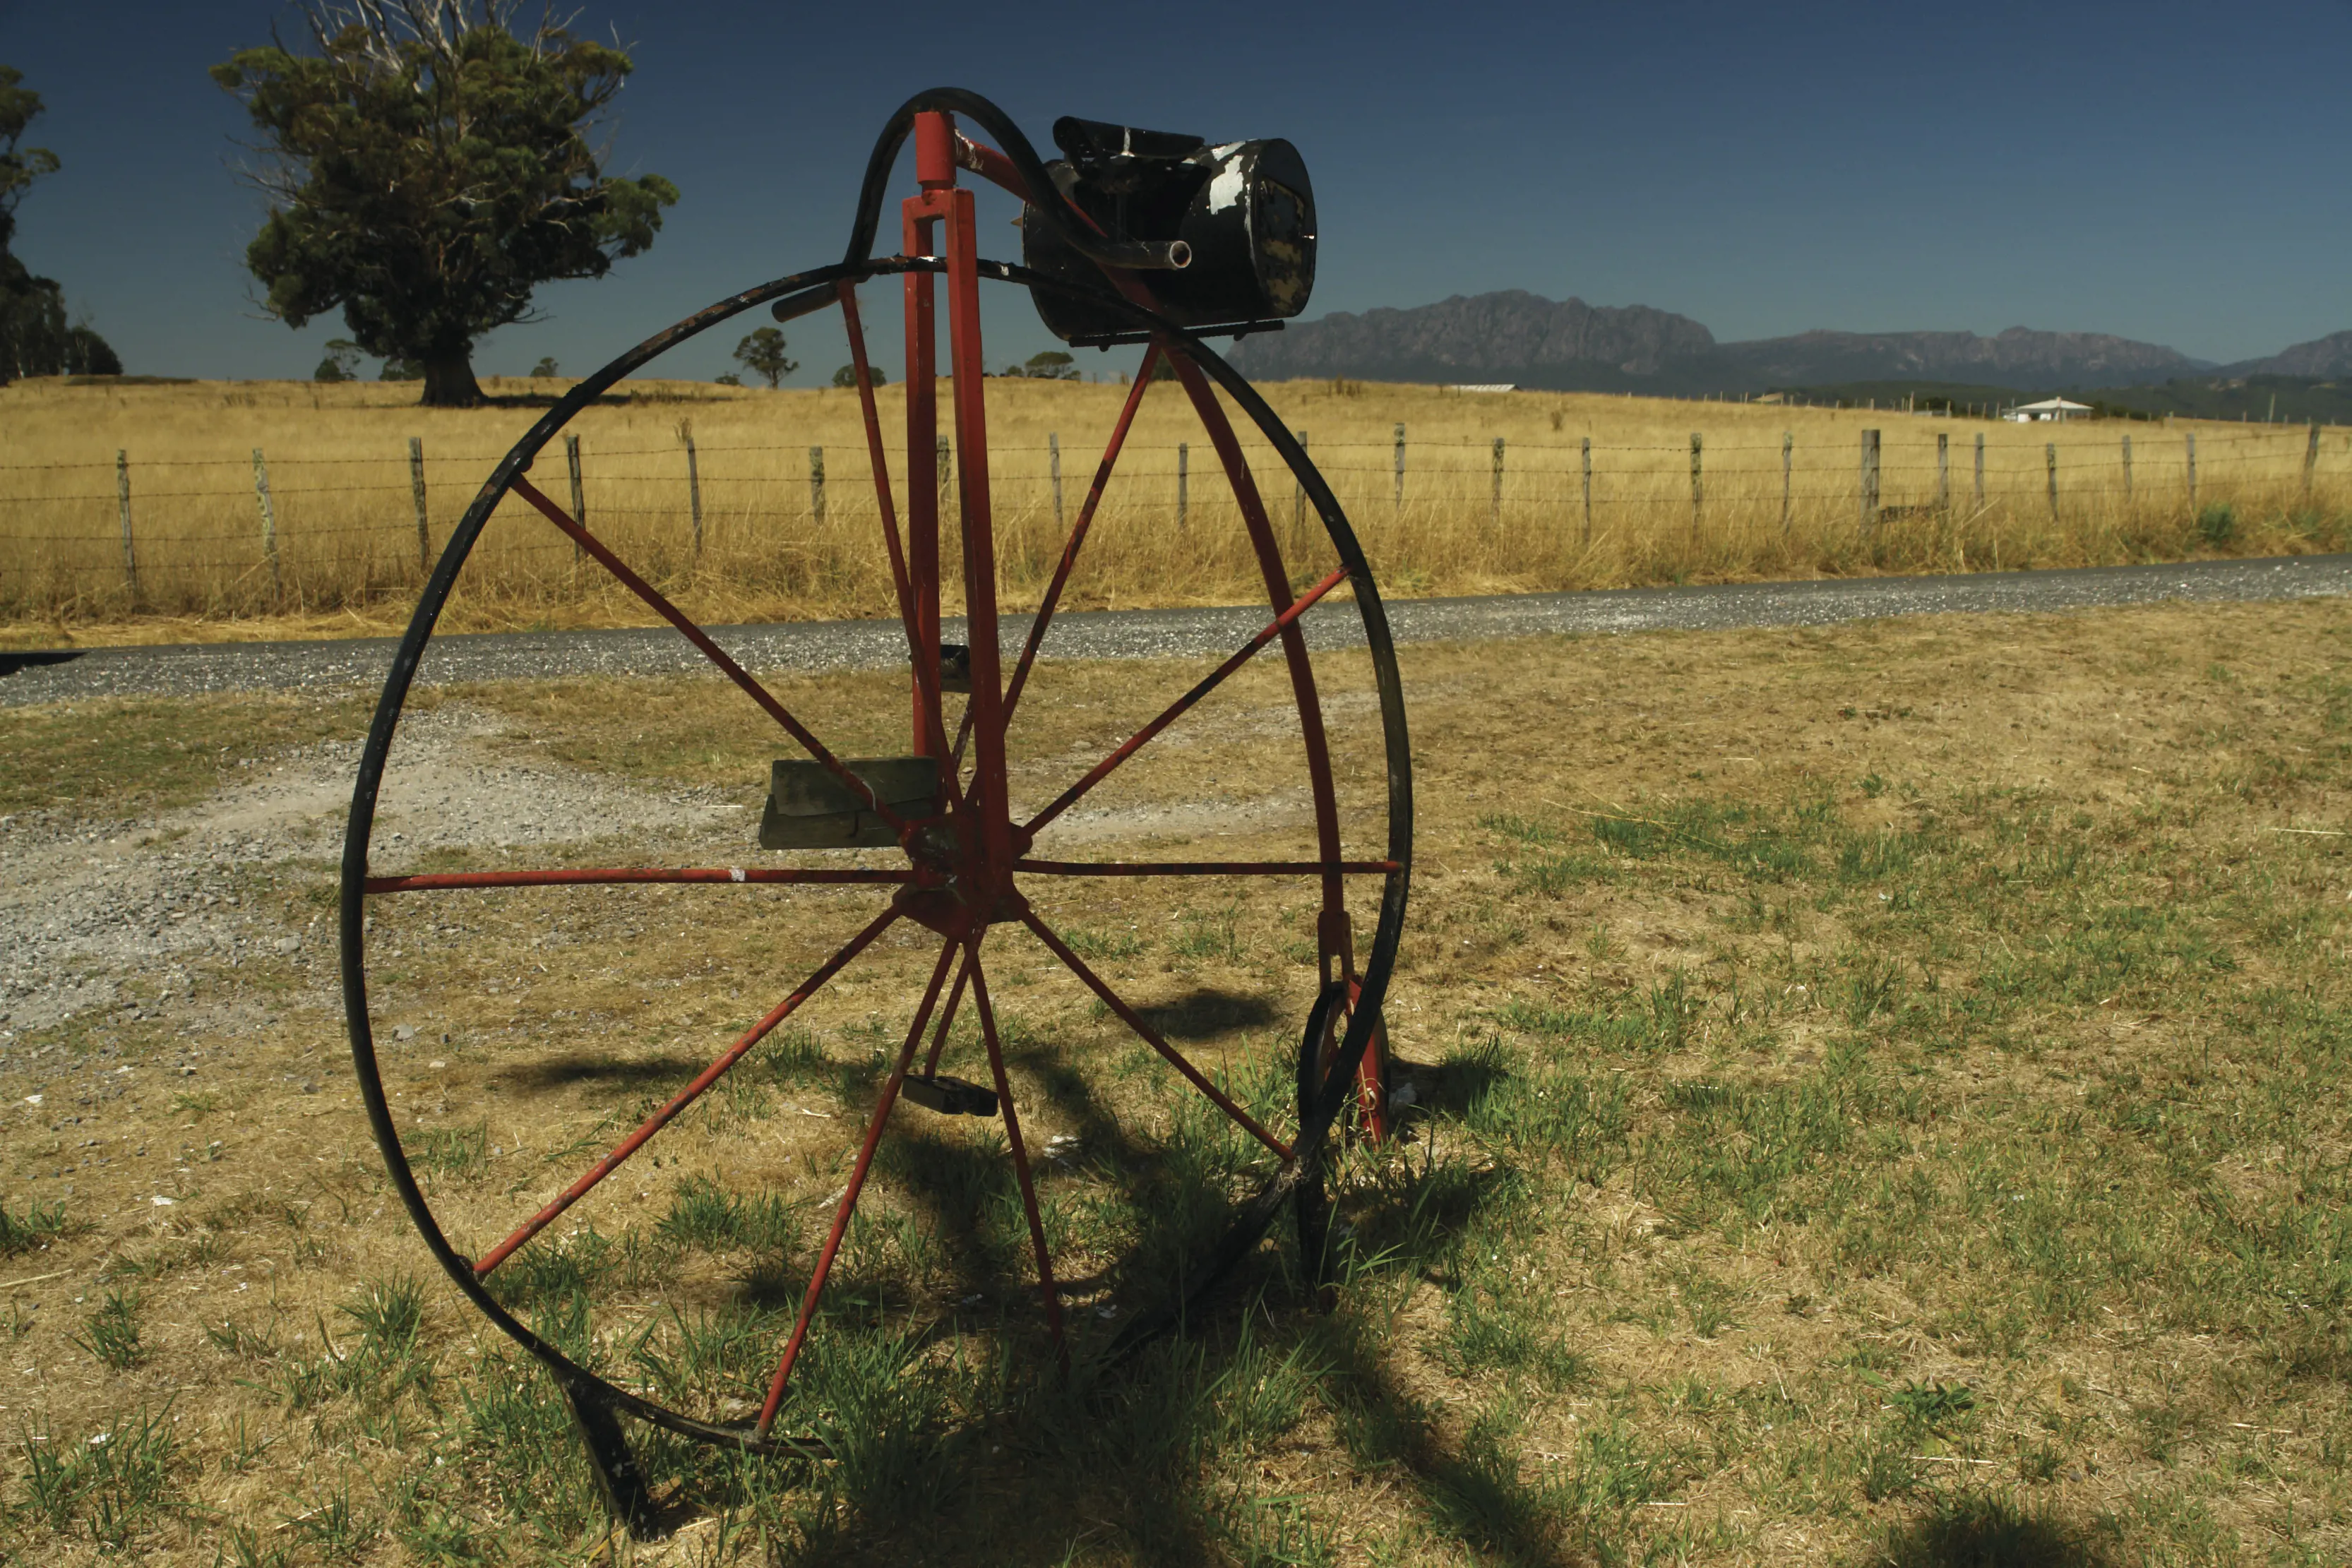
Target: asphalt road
68	675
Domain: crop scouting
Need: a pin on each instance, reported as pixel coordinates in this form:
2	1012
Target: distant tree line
35	337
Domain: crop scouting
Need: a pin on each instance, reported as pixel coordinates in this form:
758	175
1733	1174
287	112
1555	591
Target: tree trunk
449	380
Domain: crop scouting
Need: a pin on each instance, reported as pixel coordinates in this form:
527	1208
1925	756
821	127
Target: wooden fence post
1979	470
1183	481
1698	446
1787	460
578	492
1495	512
693	485
2310	459
1053	464
816	486
2128	472
268	524
1870	487
417	494
122	495
2050	456
1943	471
1588	490
2192	473
1399	470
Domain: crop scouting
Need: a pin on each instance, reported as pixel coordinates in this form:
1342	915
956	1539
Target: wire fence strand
785	523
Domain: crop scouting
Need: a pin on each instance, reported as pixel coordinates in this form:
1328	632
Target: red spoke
684	1097
876	457
1020	1154
946	1016
711	650
1207	868
434	881
1079	530
926	671
1102	769
1334	935
882	1106
1046	606
1134	1020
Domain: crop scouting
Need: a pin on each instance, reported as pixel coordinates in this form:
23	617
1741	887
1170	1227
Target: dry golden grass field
1882	1100
348	553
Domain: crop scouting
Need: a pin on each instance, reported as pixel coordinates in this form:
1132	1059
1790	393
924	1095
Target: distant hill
2019	358
2323	357
1570	345
1512	336
2290	399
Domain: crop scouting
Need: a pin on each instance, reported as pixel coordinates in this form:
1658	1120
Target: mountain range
1569	346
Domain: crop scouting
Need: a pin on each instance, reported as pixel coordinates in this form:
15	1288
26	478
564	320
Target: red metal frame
685	1097
1079	530
434	882
1283	625
824	1269
1045	1287
962	881
695	634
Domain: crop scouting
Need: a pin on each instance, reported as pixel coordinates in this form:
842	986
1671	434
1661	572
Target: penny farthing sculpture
1133	238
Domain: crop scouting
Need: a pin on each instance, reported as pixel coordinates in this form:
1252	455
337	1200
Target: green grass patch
144	755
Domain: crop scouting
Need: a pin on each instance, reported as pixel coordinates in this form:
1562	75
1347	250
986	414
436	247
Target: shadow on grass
998	1456
620	1072
1989	1533
1206	1013
1469	1489
1139	1458
1453	1087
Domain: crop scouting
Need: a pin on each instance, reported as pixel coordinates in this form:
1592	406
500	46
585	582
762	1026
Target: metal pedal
955	667
809	809
949	1096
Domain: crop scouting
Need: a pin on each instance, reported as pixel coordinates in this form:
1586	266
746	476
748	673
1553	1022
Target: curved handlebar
1135	255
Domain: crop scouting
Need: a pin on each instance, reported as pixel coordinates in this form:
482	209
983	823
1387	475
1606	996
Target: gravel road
180	917
136	918
70	675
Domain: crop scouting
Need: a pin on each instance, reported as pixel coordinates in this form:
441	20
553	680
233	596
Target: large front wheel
828	1078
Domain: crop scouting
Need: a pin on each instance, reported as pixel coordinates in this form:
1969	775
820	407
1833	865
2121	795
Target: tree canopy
19	166
341	363
428	165
36	340
762	354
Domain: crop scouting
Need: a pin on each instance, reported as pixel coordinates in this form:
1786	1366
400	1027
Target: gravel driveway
819	645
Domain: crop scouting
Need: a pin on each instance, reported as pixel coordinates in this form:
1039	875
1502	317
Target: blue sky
2171	172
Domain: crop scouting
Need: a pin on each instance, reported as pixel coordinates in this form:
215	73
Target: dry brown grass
1885	1080
349	562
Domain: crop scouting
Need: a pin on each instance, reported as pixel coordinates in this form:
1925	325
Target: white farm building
2048	408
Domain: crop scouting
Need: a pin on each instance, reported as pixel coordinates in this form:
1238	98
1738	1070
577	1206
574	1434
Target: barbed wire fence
260	533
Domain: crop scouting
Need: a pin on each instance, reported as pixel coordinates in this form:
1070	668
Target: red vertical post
935	167
979	531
